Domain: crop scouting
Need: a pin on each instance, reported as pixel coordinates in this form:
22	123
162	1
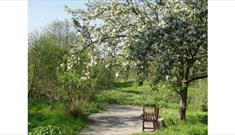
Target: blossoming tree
172	35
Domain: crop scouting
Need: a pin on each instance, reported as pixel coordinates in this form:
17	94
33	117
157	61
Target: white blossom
69	67
87	73
83	78
167	77
116	75
62	65
106	66
125	63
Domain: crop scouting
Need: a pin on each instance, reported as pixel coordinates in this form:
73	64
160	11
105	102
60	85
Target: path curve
115	120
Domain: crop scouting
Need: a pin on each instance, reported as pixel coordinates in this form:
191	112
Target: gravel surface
115	120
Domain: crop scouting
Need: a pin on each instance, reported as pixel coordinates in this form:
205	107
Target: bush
47	130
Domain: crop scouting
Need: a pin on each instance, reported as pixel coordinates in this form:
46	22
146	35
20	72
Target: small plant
47	130
74	108
204	107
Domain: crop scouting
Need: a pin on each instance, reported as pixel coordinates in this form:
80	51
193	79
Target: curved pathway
115	120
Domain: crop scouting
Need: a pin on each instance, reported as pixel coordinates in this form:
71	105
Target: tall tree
44	58
46	51
170	34
63	32
182	48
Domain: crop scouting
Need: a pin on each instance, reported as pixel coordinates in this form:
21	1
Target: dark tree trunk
183	102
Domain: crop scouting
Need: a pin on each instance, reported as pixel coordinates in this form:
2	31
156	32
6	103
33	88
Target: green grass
128	93
195	124
142	95
196	121
41	115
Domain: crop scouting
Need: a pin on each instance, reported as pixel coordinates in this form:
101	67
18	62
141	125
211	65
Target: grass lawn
195	124
196	120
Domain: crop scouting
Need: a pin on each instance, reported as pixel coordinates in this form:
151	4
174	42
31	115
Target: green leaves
170	34
47	130
44	59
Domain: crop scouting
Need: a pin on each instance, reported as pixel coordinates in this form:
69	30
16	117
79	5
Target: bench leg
154	126
143	126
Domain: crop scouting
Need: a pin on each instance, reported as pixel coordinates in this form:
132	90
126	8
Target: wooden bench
151	117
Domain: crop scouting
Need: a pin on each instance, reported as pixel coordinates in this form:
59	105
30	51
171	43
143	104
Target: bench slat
149	116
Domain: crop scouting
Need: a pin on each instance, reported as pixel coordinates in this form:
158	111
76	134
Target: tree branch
196	77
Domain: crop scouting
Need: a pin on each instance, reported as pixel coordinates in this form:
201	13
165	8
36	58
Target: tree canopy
169	35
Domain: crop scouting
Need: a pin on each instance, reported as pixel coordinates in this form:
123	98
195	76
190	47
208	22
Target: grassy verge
40	115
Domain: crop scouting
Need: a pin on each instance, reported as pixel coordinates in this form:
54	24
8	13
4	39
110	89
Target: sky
43	12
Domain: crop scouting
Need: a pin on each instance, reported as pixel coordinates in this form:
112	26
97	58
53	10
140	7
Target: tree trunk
183	102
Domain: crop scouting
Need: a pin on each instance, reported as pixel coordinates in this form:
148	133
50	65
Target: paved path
115	120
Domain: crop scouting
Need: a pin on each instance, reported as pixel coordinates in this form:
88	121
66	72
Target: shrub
74	108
